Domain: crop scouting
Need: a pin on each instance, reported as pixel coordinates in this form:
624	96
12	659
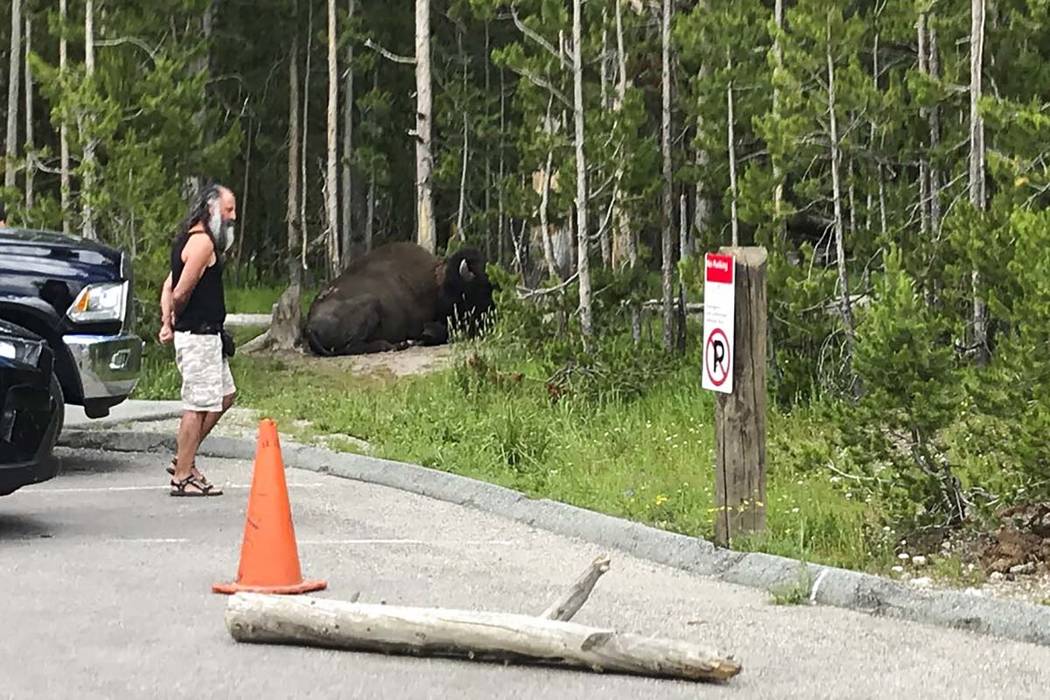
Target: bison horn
464	271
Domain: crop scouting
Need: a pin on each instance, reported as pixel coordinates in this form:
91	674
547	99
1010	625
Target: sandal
171	470
202	489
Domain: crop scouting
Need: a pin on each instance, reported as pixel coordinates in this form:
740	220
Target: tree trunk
347	229
977	192
778	59
304	133
731	147
934	65
371	213
680	316
283	333
462	208
667	227
836	185
65	188
203	65
924	163
461	212
12	94
485	148
370	205
332	174
583	262
873	137
603	62
87	190
548	248
334	624
502	164
292	215
624	250
30	155
605	240
426	234
702	209
242	219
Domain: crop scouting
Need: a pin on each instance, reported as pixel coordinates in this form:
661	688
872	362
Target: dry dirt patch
391	365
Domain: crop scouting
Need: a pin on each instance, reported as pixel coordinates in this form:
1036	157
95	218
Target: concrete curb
827	585
112	421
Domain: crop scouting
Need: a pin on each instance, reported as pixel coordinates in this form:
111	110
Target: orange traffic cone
269	555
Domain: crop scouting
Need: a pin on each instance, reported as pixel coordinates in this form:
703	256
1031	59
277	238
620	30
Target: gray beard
222	232
227	235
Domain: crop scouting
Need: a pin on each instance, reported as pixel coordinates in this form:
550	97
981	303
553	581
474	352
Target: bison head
324	327
466	291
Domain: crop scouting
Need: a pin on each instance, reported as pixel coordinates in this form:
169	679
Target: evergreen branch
526	293
604	226
529	34
406	60
135	41
543	83
598	191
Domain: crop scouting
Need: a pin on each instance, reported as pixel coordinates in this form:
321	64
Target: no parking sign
719	308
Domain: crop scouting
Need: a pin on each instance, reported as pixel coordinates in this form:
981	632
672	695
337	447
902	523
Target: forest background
890	155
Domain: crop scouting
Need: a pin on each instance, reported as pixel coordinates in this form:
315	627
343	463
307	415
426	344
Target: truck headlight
99	302
21	350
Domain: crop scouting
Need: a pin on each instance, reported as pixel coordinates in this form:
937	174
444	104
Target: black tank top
206	308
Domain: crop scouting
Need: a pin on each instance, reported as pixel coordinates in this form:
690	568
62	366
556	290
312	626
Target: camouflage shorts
206	376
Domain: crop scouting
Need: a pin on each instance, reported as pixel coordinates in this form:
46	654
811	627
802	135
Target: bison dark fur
396	296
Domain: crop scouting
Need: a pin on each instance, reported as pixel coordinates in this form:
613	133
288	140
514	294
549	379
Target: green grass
796	592
260	299
953	571
650	459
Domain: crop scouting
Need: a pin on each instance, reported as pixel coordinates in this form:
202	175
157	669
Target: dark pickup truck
77	295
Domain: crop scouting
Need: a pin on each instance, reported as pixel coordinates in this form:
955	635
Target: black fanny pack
229	348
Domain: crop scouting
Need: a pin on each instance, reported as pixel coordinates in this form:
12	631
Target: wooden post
740	417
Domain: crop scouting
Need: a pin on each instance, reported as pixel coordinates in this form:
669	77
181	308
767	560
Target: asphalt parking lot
106	593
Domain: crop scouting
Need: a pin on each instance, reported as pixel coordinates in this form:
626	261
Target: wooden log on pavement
573	599
485	636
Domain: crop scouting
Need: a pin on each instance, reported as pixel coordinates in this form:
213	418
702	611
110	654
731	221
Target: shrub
910	393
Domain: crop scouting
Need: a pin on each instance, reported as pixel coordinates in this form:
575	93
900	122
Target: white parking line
424	543
409	542
118	489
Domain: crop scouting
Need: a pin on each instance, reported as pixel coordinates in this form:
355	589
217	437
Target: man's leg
200	362
211	419
189	440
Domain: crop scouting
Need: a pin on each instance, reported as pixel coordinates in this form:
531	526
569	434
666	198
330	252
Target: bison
396	296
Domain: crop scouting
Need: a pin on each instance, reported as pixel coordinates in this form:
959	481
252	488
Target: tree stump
285	325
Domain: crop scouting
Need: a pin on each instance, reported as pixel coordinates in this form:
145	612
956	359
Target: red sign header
719	268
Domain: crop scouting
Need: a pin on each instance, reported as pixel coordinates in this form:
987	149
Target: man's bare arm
167	309
197	254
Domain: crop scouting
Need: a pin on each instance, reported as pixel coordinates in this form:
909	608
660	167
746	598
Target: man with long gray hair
193	311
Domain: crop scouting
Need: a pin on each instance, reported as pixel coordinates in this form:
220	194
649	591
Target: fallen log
485	636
